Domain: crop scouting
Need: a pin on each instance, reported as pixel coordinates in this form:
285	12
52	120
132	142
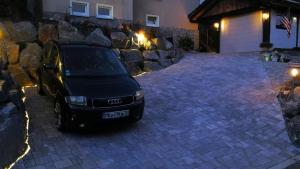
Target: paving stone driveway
204	112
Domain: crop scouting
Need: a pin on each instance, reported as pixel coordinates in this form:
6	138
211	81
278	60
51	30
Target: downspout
297	33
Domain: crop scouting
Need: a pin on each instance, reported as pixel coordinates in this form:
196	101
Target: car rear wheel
61	120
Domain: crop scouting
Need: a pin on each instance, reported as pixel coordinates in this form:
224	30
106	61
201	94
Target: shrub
186	43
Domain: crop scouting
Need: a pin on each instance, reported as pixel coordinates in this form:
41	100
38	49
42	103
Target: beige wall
172	13
241	33
123	9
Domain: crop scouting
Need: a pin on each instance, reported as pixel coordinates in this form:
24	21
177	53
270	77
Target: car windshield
91	61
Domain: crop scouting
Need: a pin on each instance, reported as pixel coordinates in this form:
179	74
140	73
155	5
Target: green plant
186	43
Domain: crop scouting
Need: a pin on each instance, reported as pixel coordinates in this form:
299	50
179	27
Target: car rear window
82	60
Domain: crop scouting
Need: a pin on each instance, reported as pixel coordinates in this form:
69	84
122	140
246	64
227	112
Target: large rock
120	40
164	54
4	88
162	43
97	36
133	68
4	34
151	66
67	32
150	55
3	54
132	55
13	53
165	62
22	32
47	32
30	58
19	75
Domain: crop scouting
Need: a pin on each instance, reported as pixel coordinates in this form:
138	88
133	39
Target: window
105	11
79	8
152	20
97	61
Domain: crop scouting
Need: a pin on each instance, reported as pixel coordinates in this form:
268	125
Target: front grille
104	102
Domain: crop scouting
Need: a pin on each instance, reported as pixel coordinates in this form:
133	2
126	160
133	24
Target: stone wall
114	23
176	33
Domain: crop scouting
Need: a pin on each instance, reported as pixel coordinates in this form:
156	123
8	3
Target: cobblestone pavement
208	111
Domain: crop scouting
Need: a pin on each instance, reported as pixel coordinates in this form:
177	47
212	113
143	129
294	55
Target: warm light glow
294	19
217	25
294	72
223	25
265	15
140	74
141	37
141	40
1	34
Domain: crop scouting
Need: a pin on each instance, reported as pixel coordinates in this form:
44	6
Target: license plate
115	114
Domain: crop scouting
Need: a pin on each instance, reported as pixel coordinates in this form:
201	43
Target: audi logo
115	101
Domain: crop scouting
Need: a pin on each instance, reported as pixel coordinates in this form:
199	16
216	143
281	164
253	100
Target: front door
210	36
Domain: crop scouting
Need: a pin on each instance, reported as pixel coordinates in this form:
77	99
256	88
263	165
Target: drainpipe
297	33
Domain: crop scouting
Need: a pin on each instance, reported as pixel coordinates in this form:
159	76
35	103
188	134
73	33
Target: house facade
246	25
101	9
170	17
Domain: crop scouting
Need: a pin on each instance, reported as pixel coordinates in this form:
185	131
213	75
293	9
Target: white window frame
152	25
87	10
111	12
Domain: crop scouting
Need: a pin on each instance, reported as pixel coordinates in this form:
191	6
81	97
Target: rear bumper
90	115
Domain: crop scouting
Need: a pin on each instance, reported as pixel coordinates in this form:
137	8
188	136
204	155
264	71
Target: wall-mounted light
294	72
266	15
217	25
294	19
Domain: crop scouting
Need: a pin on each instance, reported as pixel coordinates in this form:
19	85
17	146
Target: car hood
101	87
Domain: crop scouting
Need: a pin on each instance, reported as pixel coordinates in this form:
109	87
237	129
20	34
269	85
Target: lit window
152	20
79	8
105	11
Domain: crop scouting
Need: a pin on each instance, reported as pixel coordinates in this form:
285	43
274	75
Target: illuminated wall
172	13
123	9
241	33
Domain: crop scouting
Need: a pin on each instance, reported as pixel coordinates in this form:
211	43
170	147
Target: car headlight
139	95
76	100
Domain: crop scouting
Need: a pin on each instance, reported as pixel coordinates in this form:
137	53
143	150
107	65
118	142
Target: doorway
209	33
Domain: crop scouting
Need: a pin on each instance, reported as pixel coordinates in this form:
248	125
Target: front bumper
91	115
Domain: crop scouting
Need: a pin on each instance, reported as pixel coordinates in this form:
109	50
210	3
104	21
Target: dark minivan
89	84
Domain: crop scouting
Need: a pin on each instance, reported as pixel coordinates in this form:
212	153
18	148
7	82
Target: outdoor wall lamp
294	19
294	72
266	15
217	25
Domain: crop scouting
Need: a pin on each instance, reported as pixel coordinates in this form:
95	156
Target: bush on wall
186	43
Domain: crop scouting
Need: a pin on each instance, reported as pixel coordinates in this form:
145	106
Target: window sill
81	15
156	26
103	17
